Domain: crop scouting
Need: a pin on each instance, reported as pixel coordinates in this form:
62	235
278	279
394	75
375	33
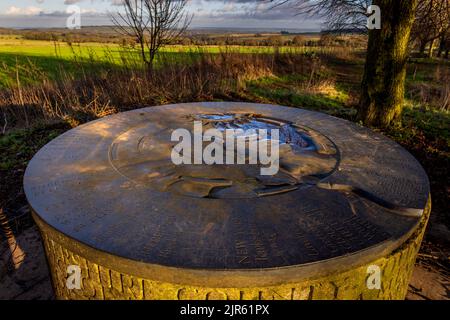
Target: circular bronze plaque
342	191
143	155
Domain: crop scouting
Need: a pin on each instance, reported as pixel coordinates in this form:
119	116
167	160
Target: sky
256	14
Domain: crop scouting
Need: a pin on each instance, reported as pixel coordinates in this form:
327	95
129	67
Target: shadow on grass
335	106
27	70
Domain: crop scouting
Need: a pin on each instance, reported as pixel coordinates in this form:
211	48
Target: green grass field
29	60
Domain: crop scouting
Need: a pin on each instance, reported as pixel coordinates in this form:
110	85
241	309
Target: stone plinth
345	202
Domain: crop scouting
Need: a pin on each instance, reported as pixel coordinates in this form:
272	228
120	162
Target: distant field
20	51
9	44
25	59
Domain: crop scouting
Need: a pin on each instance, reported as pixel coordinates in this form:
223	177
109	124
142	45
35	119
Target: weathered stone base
101	282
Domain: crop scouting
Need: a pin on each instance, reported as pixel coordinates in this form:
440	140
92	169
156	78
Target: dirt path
29	279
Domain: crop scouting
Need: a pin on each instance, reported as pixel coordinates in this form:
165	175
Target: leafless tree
153	23
444	46
383	83
339	15
432	23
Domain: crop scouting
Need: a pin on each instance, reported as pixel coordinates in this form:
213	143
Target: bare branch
339	15
153	23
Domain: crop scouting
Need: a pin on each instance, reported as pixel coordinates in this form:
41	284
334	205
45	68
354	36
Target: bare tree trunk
385	70
142	46
441	46
431	48
423	45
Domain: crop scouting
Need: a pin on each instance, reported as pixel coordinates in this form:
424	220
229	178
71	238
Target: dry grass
435	92
198	77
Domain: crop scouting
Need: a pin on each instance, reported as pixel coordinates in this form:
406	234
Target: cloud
71	1
207	13
113	2
84	12
116	2
14	11
249	9
27	11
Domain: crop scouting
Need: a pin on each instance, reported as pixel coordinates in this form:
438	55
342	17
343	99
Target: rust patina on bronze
108	198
